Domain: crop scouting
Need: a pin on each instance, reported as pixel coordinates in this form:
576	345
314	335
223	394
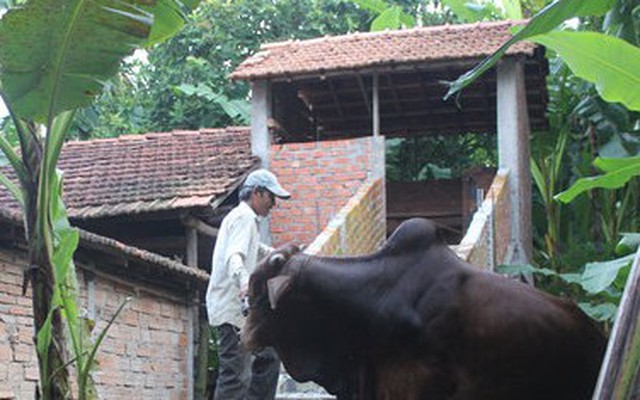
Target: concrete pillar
378	169
261	138
260	113
514	154
375	112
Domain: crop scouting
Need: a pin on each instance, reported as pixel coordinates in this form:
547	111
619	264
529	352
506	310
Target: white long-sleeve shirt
237	251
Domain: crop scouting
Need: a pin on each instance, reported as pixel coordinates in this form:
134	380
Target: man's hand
245	306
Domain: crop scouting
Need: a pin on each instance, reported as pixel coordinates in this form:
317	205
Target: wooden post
619	376
192	315
192	247
514	154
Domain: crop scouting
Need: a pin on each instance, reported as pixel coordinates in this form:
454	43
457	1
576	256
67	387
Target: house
162	314
146	206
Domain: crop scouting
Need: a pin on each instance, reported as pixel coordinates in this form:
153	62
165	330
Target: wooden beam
394	93
365	96
200	226
336	100
479	113
454	67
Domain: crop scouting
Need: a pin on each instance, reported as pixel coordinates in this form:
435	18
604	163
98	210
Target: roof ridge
388	32
155	135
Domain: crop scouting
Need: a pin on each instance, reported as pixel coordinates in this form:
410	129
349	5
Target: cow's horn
276	259
276	287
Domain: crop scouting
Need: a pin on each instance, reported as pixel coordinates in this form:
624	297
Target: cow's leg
413	380
366	382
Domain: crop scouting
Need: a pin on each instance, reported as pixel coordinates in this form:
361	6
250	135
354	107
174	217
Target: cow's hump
412	234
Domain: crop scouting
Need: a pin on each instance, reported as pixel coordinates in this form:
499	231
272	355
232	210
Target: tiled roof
102	243
151	172
379	49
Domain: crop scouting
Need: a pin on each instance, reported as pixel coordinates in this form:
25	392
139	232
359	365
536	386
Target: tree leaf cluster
185	85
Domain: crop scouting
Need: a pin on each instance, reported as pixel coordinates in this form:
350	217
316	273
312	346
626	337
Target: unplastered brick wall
18	364
144	355
358	228
322	177
487	239
145	352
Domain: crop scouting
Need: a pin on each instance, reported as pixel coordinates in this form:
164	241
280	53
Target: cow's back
516	342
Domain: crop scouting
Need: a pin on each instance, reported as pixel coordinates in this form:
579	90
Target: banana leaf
546	20
618	174
55	55
612	64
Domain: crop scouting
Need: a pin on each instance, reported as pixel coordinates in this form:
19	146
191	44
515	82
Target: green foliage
438	157
546	174
629	242
388	16
220	34
38	60
597	287
611	63
618	172
468	11
512	9
547	19
238	109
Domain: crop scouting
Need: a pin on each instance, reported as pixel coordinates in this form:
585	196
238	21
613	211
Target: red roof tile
152	172
376	49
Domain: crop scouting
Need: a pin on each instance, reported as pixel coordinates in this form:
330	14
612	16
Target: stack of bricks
322	177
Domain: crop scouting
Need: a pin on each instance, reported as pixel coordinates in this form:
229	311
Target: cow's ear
277	286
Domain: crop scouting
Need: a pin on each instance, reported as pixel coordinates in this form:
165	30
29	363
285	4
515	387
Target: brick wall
489	234
322	177
145	352
144	355
18	364
358	228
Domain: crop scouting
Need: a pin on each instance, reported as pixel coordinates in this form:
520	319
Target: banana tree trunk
54	375
42	288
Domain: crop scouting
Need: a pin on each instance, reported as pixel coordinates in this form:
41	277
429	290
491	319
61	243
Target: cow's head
267	284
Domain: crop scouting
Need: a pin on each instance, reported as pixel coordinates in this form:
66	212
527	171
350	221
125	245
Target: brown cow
413	321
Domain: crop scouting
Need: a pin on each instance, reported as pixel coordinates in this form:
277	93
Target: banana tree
55	56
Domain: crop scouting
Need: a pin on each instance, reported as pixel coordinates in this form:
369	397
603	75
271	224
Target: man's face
263	202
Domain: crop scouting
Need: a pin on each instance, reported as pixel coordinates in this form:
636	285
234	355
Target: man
238	249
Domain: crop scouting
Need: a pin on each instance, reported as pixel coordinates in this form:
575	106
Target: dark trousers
241	375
